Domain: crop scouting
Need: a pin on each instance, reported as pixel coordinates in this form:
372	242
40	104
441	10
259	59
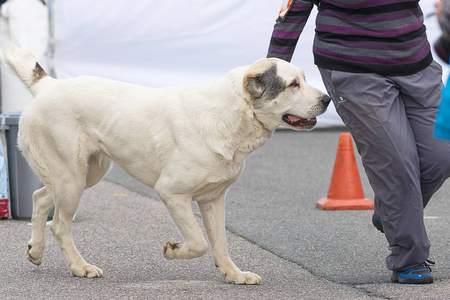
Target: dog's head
279	95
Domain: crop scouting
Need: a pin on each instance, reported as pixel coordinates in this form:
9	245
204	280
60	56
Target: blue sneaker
377	223
420	274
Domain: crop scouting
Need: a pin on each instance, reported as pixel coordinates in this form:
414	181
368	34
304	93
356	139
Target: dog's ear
254	85
262	79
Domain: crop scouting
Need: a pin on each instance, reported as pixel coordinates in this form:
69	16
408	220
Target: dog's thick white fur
188	143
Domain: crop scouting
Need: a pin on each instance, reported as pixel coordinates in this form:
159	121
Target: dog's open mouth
299	122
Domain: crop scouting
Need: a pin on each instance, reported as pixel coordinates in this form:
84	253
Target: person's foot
377	223
420	274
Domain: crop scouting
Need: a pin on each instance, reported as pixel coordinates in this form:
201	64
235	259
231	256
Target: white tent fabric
160	43
26	23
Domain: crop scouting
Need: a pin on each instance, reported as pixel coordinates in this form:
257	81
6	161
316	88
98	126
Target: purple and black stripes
363	36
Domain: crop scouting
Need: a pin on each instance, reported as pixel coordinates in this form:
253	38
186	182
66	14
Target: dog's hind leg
213	215
42	205
67	196
195	245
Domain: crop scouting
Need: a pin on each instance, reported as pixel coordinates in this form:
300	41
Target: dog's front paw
35	253
170	249
243	278
85	270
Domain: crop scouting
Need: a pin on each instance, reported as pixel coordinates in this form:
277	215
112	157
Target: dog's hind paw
243	278
86	270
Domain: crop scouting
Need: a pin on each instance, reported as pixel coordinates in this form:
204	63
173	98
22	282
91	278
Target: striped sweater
359	36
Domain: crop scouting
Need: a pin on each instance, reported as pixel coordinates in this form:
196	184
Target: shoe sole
423	280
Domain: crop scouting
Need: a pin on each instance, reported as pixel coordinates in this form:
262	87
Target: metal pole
51	40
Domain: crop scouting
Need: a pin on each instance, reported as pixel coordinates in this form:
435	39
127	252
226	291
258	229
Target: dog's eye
294	83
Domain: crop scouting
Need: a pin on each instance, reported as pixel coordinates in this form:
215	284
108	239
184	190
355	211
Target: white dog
188	143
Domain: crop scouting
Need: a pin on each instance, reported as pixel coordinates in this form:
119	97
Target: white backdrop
159	43
178	42
26	23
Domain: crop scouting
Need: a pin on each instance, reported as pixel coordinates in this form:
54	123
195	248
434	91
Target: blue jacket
442	127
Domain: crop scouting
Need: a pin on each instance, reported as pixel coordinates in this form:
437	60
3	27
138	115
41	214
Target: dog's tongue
293	119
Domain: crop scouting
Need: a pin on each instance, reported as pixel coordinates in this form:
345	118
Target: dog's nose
326	100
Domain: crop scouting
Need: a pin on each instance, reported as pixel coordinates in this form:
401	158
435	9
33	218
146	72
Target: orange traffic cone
345	190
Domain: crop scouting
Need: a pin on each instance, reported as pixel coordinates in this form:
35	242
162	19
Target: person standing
376	64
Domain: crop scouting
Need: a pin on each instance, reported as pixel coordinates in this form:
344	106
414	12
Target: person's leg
370	107
421	94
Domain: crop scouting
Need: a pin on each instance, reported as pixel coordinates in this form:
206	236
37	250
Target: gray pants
391	120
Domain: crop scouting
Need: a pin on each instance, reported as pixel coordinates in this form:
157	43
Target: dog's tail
24	64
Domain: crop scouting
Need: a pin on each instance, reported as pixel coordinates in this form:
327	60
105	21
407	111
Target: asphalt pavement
274	230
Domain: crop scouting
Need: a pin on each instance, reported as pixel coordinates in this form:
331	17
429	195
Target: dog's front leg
213	215
195	245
